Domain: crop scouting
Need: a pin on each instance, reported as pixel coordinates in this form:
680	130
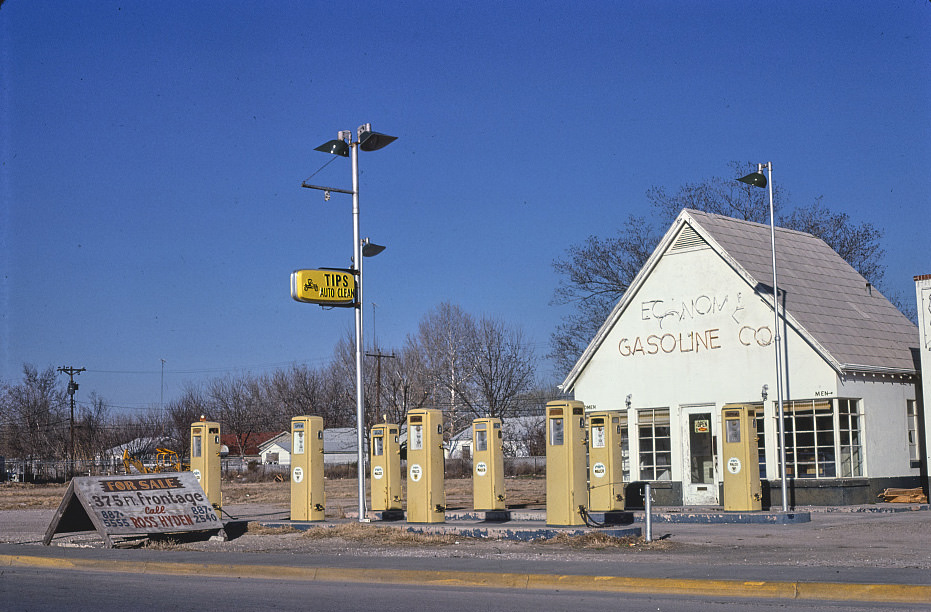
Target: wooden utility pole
378	357
72	387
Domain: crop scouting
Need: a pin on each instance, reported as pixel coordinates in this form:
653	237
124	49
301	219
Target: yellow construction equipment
166	460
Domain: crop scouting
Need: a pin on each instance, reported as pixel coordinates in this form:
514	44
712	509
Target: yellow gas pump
426	497
488	465
742	487
385	459
205	459
308	501
566	490
606	475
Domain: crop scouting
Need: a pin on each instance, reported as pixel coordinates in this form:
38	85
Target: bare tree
716	195
444	340
597	272
93	434
237	404
175	422
36	416
503	368
405	387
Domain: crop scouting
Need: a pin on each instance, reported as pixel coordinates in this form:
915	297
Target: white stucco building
695	331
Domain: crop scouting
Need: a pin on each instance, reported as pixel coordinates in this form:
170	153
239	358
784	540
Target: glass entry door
699	454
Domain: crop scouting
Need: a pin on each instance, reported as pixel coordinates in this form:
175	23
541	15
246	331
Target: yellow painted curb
837	591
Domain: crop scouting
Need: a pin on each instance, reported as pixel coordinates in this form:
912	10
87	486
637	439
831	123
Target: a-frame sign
134	505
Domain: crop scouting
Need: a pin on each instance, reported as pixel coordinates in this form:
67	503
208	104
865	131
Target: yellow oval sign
324	287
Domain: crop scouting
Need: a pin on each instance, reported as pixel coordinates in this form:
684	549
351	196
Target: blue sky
152	154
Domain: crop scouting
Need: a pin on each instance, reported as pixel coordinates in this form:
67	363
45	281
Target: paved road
877	558
28	590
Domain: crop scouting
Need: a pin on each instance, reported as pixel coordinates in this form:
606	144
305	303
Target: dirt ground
894	537
26	509
524	492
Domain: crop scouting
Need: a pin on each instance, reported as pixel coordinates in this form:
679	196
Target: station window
851	450
625	447
655	445
912	416
823	439
760	437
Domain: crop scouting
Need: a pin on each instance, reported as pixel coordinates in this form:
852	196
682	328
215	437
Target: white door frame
704	492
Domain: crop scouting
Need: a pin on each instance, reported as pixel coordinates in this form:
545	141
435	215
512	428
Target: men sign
327	287
134	505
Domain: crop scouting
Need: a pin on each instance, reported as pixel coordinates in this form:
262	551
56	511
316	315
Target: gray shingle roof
854	327
857	325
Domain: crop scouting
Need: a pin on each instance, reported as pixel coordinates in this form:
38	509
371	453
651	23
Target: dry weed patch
593	541
26	496
383	536
256	528
161	543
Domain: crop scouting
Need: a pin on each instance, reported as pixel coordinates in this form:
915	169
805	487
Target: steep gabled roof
253	442
852	325
335	440
282	440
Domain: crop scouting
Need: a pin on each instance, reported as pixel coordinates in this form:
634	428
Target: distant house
251	448
339	447
519	436
276	450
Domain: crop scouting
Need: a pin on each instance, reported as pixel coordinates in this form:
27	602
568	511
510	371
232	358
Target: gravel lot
841	538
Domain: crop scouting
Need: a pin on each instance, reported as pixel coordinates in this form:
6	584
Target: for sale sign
134	505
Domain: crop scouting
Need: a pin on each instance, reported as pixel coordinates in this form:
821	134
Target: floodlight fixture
756	179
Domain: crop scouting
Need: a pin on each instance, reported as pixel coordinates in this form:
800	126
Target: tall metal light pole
345	146
758	179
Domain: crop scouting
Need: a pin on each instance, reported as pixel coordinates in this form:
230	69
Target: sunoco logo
416	472
377	472
481	468
598	470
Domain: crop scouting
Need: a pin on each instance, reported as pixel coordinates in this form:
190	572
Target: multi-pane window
823	439
809	431
912	416
760	439
655	445
849	445
625	447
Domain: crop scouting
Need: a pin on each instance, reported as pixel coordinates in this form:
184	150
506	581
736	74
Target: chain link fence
50	471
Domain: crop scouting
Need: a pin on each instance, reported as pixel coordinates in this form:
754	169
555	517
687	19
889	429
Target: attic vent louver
688	238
